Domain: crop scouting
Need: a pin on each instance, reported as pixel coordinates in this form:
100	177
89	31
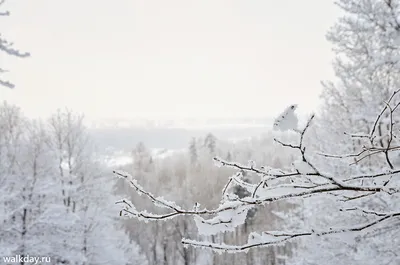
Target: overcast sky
166	59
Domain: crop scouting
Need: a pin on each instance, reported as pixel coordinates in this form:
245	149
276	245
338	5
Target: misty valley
199	132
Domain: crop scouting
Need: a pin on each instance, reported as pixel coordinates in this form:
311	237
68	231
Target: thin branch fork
375	150
381	113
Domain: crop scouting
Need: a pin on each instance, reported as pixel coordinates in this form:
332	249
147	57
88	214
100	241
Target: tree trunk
165	246
23	233
213	253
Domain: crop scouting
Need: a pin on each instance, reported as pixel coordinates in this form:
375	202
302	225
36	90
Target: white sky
175	58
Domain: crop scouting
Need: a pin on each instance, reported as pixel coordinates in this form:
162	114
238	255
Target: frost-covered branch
175	210
303	180
276	238
8	48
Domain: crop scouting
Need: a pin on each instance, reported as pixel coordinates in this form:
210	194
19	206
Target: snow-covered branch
7	47
275	238
302	180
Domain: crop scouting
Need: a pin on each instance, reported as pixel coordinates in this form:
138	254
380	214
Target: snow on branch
287	120
7	47
229	215
276	238
302	180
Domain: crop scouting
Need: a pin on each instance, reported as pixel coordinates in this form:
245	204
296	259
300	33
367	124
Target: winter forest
317	189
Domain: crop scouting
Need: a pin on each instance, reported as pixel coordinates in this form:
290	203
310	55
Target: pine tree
210	142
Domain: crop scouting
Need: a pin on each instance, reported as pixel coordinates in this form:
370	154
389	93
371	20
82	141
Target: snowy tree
367	52
32	219
7	48
68	141
84	185
210	143
366	41
36	218
142	158
98	222
193	151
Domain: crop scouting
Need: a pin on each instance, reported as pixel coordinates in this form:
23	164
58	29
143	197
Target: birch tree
31	217
77	226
